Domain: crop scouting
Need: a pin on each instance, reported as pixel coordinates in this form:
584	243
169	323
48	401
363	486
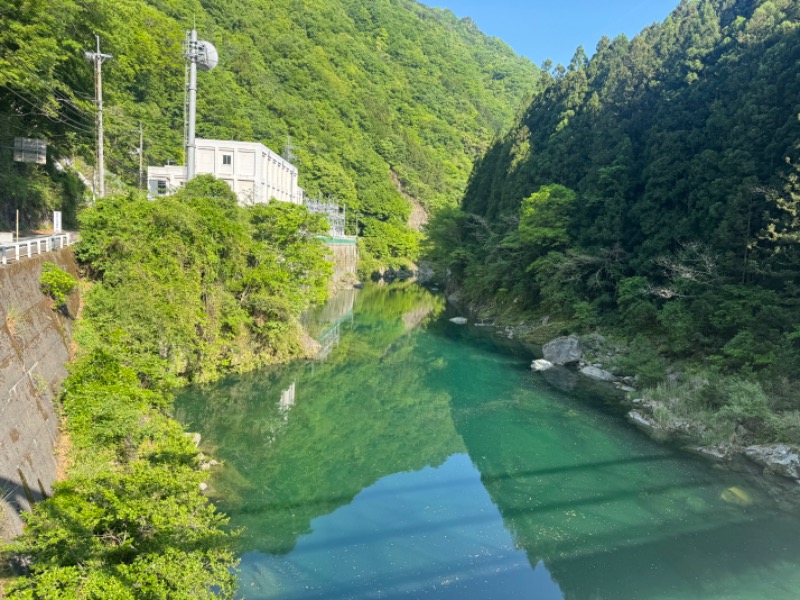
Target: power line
69	103
63	119
127	121
38	76
58	93
60	117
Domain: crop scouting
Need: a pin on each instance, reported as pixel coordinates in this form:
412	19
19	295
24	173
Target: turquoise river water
418	459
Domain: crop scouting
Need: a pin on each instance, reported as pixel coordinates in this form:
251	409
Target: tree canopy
682	223
385	101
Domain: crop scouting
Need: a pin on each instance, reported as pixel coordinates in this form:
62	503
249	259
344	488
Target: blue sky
541	29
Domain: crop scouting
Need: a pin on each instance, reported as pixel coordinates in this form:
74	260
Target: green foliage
56	283
300	258
637	310
444	245
638	191
198	284
390	243
544	218
732	409
191	286
382	100
131	521
643	359
147	533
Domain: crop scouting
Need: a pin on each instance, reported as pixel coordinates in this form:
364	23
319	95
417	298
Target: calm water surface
419	460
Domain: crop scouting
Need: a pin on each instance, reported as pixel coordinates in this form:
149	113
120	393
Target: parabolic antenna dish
207	56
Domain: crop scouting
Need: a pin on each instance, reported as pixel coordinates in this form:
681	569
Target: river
422	459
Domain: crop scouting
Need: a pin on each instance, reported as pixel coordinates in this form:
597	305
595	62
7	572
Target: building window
227	159
161	187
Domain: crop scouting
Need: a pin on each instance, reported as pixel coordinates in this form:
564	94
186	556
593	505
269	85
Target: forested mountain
384	100
649	188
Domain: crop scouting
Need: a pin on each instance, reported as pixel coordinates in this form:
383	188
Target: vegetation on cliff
649	191
190	287
199	283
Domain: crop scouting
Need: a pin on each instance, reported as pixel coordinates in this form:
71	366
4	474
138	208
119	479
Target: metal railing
35	246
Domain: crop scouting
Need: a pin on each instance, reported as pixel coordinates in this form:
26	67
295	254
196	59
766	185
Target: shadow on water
331	447
254	507
733	560
453	580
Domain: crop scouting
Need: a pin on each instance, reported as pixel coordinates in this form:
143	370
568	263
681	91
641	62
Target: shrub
131	521
643	360
57	284
731	408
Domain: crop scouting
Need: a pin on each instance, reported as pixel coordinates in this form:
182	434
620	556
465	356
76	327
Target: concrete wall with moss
344	256
35	344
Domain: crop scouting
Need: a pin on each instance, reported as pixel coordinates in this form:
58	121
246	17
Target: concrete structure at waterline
255	173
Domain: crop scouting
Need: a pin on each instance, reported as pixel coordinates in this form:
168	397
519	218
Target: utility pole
97	58
140	152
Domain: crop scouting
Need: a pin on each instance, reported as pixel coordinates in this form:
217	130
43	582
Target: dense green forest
651	191
387	102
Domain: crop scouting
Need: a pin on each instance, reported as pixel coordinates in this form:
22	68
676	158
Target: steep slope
383	99
648	189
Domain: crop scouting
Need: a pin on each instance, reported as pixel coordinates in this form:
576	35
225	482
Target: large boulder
563	350
561	378
779	459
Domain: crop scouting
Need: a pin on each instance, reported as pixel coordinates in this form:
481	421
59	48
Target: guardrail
35	246
345	240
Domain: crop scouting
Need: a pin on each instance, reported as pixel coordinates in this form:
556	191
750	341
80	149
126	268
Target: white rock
639	419
459	320
541	365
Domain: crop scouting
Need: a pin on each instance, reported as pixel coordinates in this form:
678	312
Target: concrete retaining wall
345	261
35	343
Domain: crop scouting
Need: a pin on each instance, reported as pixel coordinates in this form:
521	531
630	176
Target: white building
254	172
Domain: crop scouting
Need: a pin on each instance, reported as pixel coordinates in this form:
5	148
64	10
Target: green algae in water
420	461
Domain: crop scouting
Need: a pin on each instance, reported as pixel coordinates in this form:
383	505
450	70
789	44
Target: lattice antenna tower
288	151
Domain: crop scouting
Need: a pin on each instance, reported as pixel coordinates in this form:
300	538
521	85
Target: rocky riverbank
776	466
589	364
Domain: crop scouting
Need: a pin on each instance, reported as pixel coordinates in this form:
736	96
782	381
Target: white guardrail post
51	244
